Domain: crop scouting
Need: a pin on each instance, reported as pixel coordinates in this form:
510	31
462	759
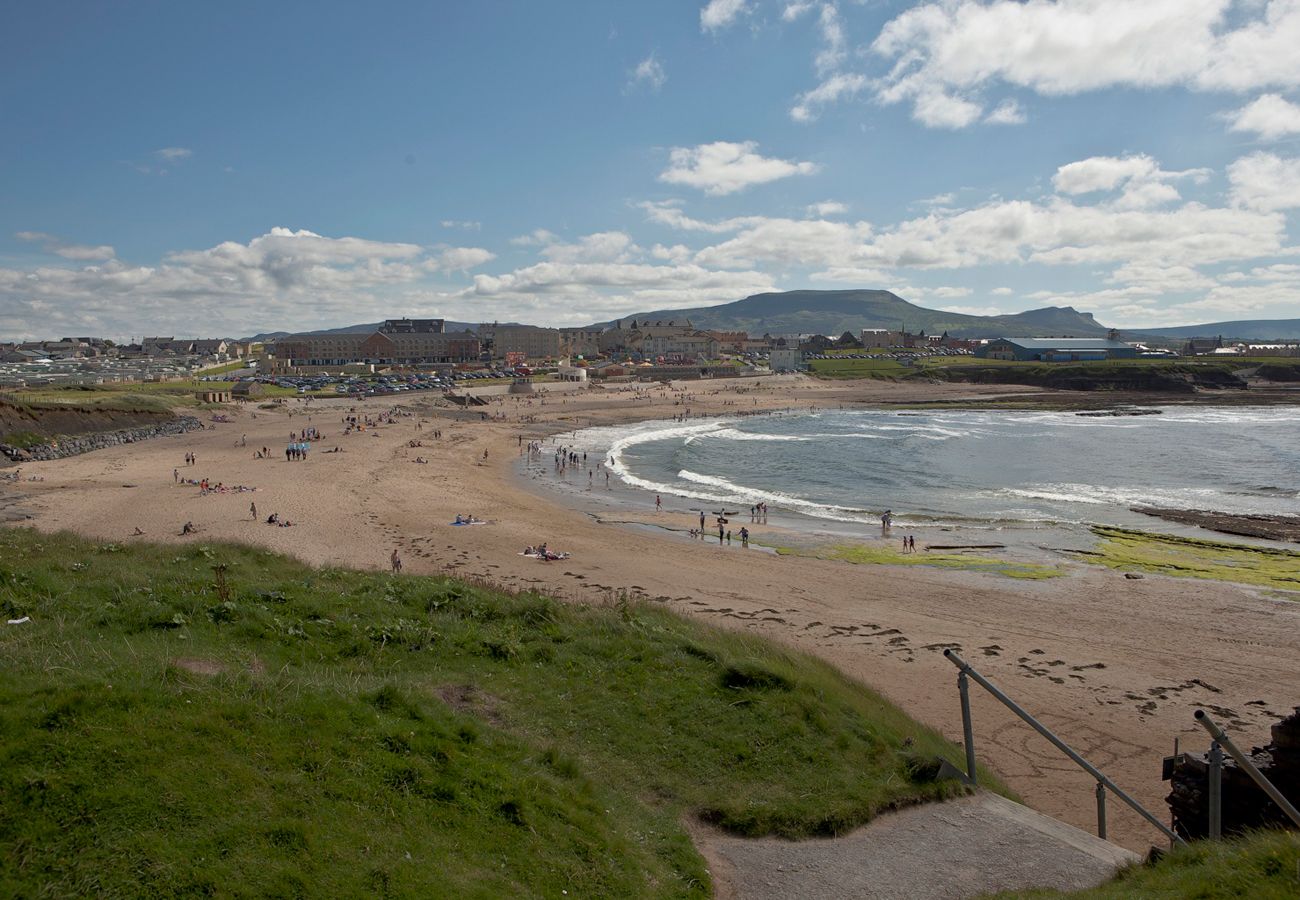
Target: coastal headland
1115	665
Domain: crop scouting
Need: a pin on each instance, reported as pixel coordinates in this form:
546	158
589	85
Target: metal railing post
1244	761
967	728
1215	776
1101	810
1061	745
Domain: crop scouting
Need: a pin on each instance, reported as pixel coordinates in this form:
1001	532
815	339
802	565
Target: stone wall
84	443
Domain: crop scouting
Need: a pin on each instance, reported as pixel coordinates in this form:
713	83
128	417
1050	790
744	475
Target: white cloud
833	52
827	208
460	259
795	10
718	14
973	310
724	167
1008	112
173	154
939	109
649	73
608	290
840	86
791	242
1002	292
1270	116
956	49
1145	183
53	244
466	224
534	238
949	293
1265	181
604	246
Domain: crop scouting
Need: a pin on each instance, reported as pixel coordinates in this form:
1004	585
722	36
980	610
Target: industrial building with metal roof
1056	349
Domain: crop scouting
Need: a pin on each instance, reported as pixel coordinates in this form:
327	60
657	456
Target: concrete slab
962	848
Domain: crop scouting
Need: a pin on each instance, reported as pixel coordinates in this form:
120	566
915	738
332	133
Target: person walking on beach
176	475
252	511
659	503
744	536
395	561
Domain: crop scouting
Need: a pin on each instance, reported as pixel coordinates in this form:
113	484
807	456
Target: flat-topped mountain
834	312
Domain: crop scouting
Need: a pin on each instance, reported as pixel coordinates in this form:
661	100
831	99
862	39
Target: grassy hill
218	719
834	312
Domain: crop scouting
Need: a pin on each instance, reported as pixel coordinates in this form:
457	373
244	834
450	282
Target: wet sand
1116	667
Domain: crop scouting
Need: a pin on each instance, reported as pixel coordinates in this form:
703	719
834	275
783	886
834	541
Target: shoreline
1108	662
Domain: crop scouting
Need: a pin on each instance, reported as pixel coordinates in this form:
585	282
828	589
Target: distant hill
353	329
1246	330
834	312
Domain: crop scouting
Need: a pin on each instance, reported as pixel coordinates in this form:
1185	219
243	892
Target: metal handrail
1103	783
1222	739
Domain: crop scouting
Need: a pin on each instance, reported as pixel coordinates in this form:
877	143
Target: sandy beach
1115	666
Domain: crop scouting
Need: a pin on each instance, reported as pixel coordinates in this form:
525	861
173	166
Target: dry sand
1114	666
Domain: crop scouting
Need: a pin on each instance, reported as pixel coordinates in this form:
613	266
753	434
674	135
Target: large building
1056	349
398	342
532	341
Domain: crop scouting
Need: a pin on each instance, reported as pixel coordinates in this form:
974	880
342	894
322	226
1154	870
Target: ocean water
966	469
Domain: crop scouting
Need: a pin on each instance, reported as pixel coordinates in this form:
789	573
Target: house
247	390
1056	349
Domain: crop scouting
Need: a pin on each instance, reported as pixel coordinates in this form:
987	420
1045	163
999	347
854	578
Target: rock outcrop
1244	805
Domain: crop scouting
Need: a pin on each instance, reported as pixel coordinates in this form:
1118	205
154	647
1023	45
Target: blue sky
223	169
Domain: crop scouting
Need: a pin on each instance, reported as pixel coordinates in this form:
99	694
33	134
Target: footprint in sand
992	650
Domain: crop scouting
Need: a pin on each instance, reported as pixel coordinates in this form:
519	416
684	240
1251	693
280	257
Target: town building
532	341
1056	349
785	359
398	342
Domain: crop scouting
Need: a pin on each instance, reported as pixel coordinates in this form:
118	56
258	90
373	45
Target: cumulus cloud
718	14
52	244
1270	116
1145	183
723	167
173	154
649	73
947	53
604	246
1265	181
282	279
460	259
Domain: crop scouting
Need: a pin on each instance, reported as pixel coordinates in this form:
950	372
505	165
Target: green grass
864	554
362	734
24	439
1167	554
1263	866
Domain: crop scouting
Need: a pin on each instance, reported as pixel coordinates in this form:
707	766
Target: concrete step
962	848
